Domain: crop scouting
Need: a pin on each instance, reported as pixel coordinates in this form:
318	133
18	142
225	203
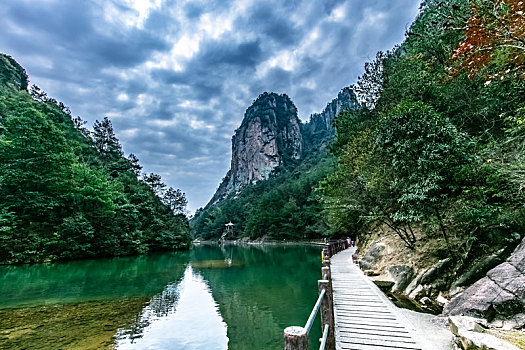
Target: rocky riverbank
490	290
86	325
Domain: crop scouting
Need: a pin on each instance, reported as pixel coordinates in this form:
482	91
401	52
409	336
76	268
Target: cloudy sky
175	76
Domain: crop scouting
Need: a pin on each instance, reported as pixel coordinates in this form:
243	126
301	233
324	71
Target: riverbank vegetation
437	145
282	207
70	193
439	141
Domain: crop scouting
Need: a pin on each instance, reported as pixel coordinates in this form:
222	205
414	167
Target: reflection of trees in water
273	287
166	302
85	280
136	330
160	305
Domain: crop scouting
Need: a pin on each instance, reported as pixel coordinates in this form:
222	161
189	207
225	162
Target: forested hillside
439	145
69	193
277	162
436	146
282	207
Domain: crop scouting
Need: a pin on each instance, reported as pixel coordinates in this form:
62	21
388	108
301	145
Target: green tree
175	200
426	151
65	195
154	181
106	143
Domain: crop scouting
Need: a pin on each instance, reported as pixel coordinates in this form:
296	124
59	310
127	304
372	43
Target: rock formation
470	335
498	297
320	129
269	137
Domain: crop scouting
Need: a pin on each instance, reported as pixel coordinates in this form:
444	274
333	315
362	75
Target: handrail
325	337
334	247
311	319
296	338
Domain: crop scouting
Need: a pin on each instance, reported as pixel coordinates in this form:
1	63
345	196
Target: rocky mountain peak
269	137
320	129
272	136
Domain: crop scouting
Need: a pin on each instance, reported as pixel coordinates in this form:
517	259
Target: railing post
327	312
295	338
325	273
326	256
326	262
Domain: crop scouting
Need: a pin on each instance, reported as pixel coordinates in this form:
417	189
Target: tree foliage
438	144
66	194
494	37
282	207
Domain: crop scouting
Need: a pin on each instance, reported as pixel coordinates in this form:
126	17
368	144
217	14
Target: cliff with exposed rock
276	164
320	128
269	137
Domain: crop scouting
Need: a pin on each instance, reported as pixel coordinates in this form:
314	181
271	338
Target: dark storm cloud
207	71
247	54
126	51
275	25
175	76
66	31
66	22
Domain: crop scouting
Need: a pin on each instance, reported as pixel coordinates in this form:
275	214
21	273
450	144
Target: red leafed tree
494	39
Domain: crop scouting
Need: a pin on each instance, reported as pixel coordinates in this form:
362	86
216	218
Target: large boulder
479	269
401	275
372	256
498	297
471	336
415	282
436	272
431	279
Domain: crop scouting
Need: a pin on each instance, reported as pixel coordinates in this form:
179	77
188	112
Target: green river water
212	297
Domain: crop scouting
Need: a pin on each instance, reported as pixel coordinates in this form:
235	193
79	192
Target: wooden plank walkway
365	319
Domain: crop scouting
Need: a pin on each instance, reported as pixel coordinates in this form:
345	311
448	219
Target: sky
175	76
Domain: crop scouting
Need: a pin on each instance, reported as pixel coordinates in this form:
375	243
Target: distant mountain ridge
272	137
320	128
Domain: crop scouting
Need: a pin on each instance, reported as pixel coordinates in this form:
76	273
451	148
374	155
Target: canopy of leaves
282	207
67	194
494	40
439	144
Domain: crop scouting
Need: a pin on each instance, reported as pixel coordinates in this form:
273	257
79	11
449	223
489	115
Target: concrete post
295	338
327	312
325	273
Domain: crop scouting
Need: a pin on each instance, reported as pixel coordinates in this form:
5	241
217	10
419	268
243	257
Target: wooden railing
296	338
335	247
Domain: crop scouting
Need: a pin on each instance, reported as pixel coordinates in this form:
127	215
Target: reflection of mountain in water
183	316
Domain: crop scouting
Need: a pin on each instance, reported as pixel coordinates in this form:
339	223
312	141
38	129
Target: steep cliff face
269	136
320	129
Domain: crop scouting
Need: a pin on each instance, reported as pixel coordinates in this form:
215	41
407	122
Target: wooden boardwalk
365	319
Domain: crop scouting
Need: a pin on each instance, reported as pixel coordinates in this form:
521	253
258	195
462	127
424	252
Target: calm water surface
213	297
